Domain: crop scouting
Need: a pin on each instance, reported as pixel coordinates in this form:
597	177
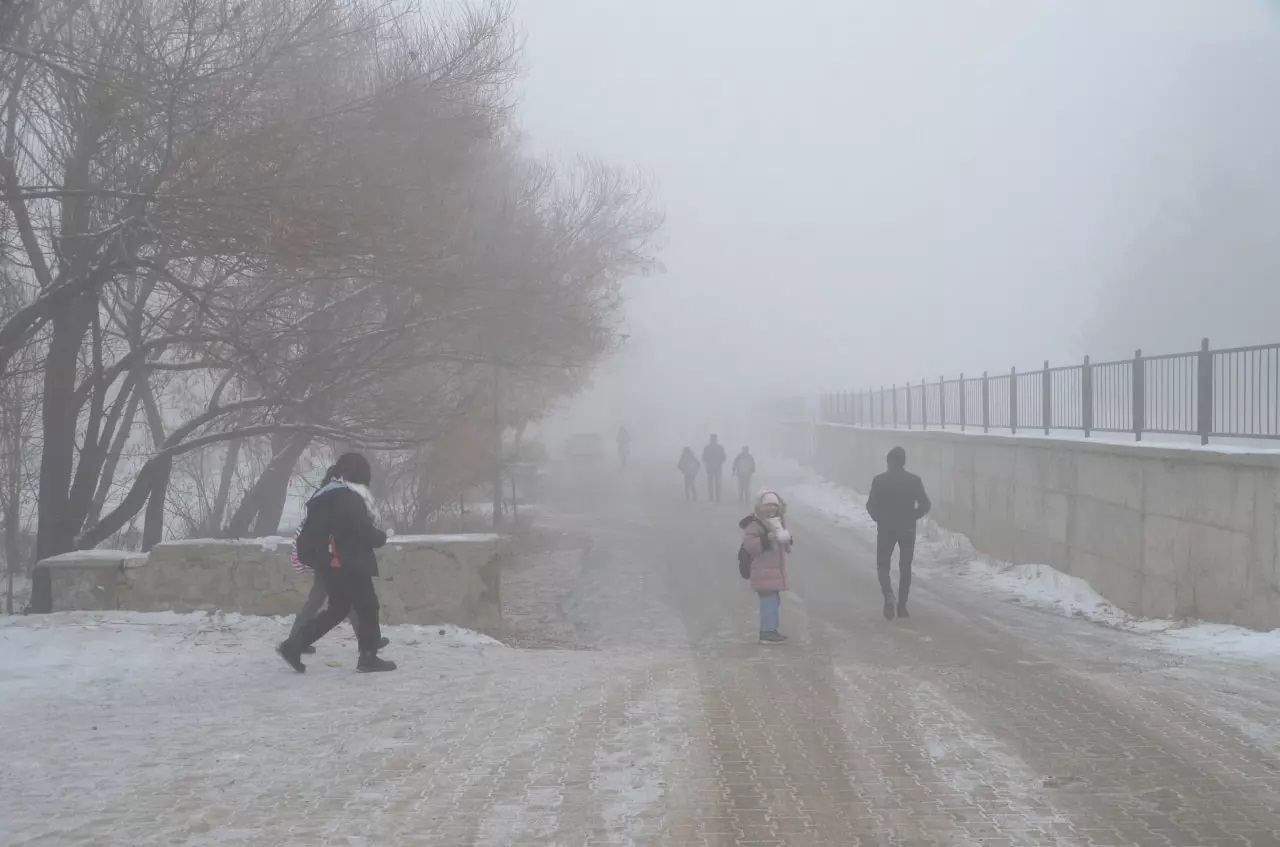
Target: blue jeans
770	601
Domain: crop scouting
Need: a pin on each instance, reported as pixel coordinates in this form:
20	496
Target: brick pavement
975	723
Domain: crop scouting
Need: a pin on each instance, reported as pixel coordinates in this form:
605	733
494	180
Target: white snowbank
1037	586
455	538
1151	440
78	556
269	542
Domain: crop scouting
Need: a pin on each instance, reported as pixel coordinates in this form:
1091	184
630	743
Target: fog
868	192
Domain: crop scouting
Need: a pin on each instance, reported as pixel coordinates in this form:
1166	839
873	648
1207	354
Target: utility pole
497	438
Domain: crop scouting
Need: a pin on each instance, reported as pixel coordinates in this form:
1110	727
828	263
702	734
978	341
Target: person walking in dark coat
689	467
896	502
713	459
337	541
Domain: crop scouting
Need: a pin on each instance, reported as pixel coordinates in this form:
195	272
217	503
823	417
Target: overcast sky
864	192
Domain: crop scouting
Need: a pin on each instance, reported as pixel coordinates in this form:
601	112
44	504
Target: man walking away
713	459
744	467
896	502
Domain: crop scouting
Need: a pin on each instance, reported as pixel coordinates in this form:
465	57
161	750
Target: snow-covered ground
151	728
1039	586
75	648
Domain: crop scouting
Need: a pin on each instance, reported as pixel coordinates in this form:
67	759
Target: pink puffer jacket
768	567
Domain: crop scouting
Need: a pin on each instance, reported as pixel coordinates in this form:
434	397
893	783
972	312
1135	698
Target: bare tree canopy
233	231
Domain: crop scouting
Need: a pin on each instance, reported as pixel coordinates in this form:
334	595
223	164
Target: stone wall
426	579
1161	532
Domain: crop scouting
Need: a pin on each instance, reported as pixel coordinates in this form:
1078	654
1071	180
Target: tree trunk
153	525
108	475
12	547
275	486
213	526
55	530
266	498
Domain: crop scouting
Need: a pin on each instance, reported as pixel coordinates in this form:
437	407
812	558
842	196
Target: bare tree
244	232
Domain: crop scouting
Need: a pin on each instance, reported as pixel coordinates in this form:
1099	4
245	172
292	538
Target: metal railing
1230	393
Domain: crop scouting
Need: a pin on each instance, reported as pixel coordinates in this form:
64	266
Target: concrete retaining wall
424	579
1161	532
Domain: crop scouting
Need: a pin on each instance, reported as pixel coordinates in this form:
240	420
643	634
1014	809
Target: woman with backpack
767	542
336	541
689	466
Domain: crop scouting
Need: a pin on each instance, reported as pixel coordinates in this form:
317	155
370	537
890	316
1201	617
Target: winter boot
384	643
308	651
902	609
890	607
370	663
292	655
772	637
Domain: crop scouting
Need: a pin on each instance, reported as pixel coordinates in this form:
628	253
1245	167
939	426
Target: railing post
1086	397
942	402
962	402
1139	380
1046	397
1204	392
1013	401
882	410
908	404
986	404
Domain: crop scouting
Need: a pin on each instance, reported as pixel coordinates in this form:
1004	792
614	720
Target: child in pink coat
767	541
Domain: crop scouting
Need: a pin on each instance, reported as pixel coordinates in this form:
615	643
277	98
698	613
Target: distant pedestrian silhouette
744	467
713	459
689	467
624	446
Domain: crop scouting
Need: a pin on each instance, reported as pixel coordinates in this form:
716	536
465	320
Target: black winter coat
340	514
897	501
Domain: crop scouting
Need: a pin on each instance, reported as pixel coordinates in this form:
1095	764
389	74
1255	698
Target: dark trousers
315	602
714	478
886	540
347	589
744	488
691	488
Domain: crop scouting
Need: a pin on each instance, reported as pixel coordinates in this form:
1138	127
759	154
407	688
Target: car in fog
586	449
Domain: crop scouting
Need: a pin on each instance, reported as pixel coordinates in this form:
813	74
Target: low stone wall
1161	532
426	579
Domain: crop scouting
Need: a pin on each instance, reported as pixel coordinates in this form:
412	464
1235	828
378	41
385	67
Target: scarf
363	490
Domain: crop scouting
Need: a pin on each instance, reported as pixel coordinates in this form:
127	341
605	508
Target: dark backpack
744	558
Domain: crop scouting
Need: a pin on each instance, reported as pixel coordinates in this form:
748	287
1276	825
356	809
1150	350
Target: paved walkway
975	723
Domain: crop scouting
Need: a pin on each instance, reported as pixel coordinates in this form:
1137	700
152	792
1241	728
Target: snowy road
977	722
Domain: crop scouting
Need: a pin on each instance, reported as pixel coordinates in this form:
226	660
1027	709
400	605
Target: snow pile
266	542
1037	586
1048	588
